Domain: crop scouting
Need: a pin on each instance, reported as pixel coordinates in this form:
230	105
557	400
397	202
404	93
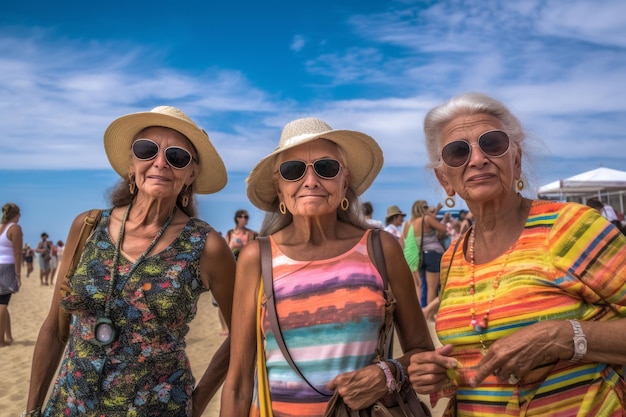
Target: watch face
581	345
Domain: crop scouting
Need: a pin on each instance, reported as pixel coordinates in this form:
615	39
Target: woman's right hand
427	370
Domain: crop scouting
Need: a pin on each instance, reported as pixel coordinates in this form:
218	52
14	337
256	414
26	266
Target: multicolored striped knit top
330	312
568	263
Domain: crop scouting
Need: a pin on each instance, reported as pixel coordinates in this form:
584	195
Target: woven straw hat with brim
119	135
392	211
364	159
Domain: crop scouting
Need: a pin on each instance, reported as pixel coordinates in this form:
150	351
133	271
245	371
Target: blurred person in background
10	266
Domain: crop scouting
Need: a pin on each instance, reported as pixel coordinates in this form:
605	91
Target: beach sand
28	309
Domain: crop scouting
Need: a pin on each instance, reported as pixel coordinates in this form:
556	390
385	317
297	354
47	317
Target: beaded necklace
480	326
104	330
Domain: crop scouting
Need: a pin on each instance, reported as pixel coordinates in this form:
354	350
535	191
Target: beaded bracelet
400	368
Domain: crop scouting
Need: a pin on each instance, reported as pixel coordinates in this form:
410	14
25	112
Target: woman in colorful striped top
533	300
327	290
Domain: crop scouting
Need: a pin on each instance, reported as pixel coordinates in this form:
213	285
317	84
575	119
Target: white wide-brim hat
364	158
119	135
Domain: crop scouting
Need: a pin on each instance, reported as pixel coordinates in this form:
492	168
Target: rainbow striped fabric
330	313
568	263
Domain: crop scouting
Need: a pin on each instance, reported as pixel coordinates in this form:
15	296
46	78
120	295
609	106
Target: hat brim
364	160
212	175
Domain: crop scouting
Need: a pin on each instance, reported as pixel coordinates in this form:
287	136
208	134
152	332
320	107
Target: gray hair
468	104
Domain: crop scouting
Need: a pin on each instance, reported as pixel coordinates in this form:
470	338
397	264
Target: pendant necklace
104	330
480	326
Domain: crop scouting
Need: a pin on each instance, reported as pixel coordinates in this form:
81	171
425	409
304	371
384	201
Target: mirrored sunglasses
325	168
146	149
494	143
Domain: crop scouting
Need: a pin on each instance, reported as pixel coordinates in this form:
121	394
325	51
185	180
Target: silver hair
468	104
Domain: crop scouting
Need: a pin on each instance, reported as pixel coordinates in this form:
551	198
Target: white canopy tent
602	182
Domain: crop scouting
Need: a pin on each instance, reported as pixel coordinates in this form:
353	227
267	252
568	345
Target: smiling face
155	177
312	195
482	178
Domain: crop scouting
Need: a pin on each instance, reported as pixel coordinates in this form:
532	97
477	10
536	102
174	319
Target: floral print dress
145	370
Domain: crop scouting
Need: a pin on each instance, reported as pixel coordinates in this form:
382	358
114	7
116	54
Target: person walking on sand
10	266
44	249
28	255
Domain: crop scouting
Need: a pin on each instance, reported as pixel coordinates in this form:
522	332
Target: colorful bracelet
391	381
400	368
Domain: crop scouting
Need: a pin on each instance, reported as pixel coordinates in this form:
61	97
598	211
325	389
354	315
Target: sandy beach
29	307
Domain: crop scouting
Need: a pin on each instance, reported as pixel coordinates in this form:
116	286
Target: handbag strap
270	306
93	217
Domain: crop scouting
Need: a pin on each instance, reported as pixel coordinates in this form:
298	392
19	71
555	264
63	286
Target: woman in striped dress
533	300
328	293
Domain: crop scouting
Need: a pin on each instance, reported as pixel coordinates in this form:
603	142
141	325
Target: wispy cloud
559	65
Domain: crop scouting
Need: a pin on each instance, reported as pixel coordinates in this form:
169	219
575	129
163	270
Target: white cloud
298	42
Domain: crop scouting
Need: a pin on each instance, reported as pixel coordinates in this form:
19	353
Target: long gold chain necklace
480	326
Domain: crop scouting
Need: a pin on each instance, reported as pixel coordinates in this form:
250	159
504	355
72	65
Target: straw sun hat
364	158
120	133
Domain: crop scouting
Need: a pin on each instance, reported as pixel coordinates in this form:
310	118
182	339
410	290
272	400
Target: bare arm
412	328
15	235
49	347
217	267
237	392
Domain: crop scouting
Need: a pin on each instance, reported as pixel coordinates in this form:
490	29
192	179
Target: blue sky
244	69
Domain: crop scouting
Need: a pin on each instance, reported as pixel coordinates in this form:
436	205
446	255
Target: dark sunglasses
494	143
146	149
242	216
325	168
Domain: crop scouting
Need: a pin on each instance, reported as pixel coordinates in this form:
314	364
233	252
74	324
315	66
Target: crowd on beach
309	303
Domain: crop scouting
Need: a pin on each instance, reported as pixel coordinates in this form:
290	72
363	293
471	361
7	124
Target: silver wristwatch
580	341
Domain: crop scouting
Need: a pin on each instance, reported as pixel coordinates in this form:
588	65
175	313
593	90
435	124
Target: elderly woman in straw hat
328	292
137	284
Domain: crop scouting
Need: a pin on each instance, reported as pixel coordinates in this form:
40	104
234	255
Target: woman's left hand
513	357
362	388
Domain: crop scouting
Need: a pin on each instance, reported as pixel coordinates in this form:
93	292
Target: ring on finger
513	379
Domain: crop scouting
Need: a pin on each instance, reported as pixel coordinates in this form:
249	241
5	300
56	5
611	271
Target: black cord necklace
104	331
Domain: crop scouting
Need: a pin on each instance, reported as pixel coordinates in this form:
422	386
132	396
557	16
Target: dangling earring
282	208
184	200
345	203
520	185
132	187
450	201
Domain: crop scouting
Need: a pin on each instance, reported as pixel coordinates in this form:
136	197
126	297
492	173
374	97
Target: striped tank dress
330	312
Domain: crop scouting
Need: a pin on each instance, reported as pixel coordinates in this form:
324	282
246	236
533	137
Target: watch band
580	341
391	381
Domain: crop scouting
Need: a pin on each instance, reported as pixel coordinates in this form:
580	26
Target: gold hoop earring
520	185
450	201
345	203
282	208
132	186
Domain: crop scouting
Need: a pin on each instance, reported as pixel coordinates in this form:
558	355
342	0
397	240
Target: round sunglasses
146	149
325	168
494	143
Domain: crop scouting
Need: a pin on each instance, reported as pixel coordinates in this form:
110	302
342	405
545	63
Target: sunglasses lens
327	168
292	170
177	157
455	153
494	143
145	149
